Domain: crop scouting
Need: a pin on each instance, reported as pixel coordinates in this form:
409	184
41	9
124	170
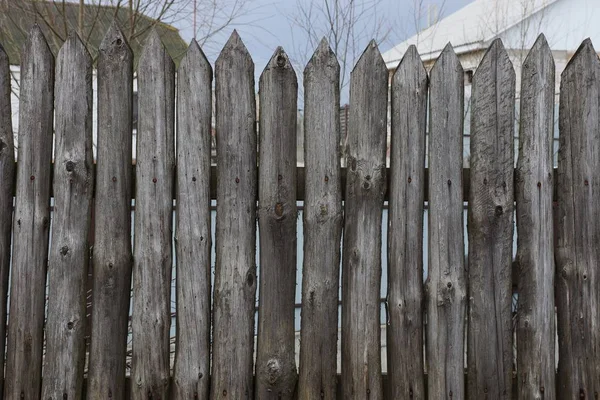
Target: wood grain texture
577	230
535	240
112	255
235	271
7	186
192	235
361	265
276	375
405	229
69	253
445	288
490	227
322	227
31	220
151	319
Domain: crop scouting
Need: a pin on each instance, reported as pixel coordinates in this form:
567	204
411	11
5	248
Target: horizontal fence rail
452	336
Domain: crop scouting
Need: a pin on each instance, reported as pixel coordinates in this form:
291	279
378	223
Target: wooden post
31	221
151	320
322	227
275	356
112	257
7	182
535	239
490	226
365	187
235	273
192	238
405	232
69	254
445	289
578	231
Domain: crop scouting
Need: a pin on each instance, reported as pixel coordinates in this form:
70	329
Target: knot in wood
273	370
70	166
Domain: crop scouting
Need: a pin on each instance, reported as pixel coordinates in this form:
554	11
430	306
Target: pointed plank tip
323	57
74	47
411	60
279	59
495	54
234	47
370	58
584	54
114	38
539	50
36	42
194	52
447	56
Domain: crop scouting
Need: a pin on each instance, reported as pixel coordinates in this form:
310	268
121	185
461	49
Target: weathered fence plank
578	231
445	289
151	319
69	253
535	239
235	271
361	265
490	227
405	232
31	220
193	239
277	212
322	227
112	257
7	183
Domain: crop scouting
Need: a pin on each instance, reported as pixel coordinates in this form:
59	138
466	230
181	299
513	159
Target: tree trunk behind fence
31	221
151	320
112	258
365	188
445	289
235	273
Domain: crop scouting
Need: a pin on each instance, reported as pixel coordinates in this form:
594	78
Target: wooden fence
215	354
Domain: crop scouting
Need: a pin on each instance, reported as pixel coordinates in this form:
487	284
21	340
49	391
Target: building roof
16	18
472	27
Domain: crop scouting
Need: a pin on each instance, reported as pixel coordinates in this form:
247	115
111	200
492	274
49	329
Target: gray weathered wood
578	231
405	232
535	239
112	257
445	289
361	266
31	220
275	353
235	272
322	227
7	182
193	240
490	227
69	254
151	319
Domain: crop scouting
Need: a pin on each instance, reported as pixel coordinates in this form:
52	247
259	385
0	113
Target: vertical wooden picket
235	273
322	227
445	289
193	239
578	230
69	254
361	266
405	232
275	356
7	181
151	319
535	239
112	257
31	221
490	227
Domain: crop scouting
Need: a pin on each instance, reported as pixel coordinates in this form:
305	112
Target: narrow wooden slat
151	319
7	186
535	240
275	354
361	267
577	230
31	220
193	239
235	271
112	257
322	226
490	227
69	254
445	289
405	229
